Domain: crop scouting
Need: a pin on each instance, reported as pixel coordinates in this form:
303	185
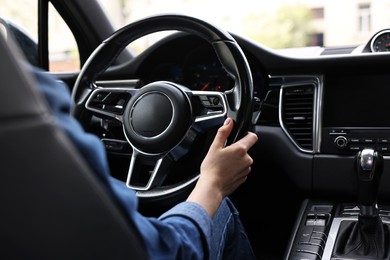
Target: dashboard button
368	140
341	142
354	140
305	256
383	140
355	148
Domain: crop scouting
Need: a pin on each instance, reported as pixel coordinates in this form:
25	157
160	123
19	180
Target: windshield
283	25
276	24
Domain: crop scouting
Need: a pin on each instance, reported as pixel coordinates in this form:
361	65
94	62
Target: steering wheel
165	122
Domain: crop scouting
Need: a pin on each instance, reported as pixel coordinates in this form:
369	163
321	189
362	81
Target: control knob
341	142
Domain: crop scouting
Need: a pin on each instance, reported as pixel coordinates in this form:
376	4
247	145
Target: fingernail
227	121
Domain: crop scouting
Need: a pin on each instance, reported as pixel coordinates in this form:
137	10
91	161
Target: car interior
319	187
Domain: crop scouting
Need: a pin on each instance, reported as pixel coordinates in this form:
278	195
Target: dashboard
320	106
345	91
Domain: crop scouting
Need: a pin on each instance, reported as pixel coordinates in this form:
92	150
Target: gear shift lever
369	166
368	237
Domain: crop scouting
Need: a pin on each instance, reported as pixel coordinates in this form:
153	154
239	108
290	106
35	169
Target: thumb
222	134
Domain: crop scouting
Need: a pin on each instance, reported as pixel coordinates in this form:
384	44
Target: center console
318	226
340	231
350	115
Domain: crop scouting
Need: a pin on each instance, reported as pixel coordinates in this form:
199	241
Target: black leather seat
52	205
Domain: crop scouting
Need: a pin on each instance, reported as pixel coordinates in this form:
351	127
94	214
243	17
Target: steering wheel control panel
350	140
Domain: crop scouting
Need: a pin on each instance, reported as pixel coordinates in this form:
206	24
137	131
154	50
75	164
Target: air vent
297	114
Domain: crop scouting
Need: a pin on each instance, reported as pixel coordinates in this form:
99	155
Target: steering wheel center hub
157	118
146	110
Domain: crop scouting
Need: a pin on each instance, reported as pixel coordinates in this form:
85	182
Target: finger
222	134
248	140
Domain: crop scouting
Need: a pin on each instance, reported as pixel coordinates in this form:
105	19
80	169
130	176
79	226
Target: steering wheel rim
236	103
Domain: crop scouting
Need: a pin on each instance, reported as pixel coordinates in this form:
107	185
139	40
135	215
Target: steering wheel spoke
145	171
109	102
208	104
209	109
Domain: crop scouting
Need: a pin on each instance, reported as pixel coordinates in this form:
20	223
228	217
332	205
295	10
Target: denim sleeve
180	233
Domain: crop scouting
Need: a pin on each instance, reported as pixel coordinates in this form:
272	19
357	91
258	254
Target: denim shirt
182	232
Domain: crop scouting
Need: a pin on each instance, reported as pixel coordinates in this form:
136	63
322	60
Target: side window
63	51
21	19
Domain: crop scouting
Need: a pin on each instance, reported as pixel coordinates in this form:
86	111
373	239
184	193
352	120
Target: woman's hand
223	169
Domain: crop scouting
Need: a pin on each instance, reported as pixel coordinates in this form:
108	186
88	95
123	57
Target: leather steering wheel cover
230	54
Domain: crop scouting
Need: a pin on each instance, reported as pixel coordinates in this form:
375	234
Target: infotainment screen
357	101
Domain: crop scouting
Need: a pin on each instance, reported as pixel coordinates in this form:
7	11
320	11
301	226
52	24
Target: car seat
52	205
